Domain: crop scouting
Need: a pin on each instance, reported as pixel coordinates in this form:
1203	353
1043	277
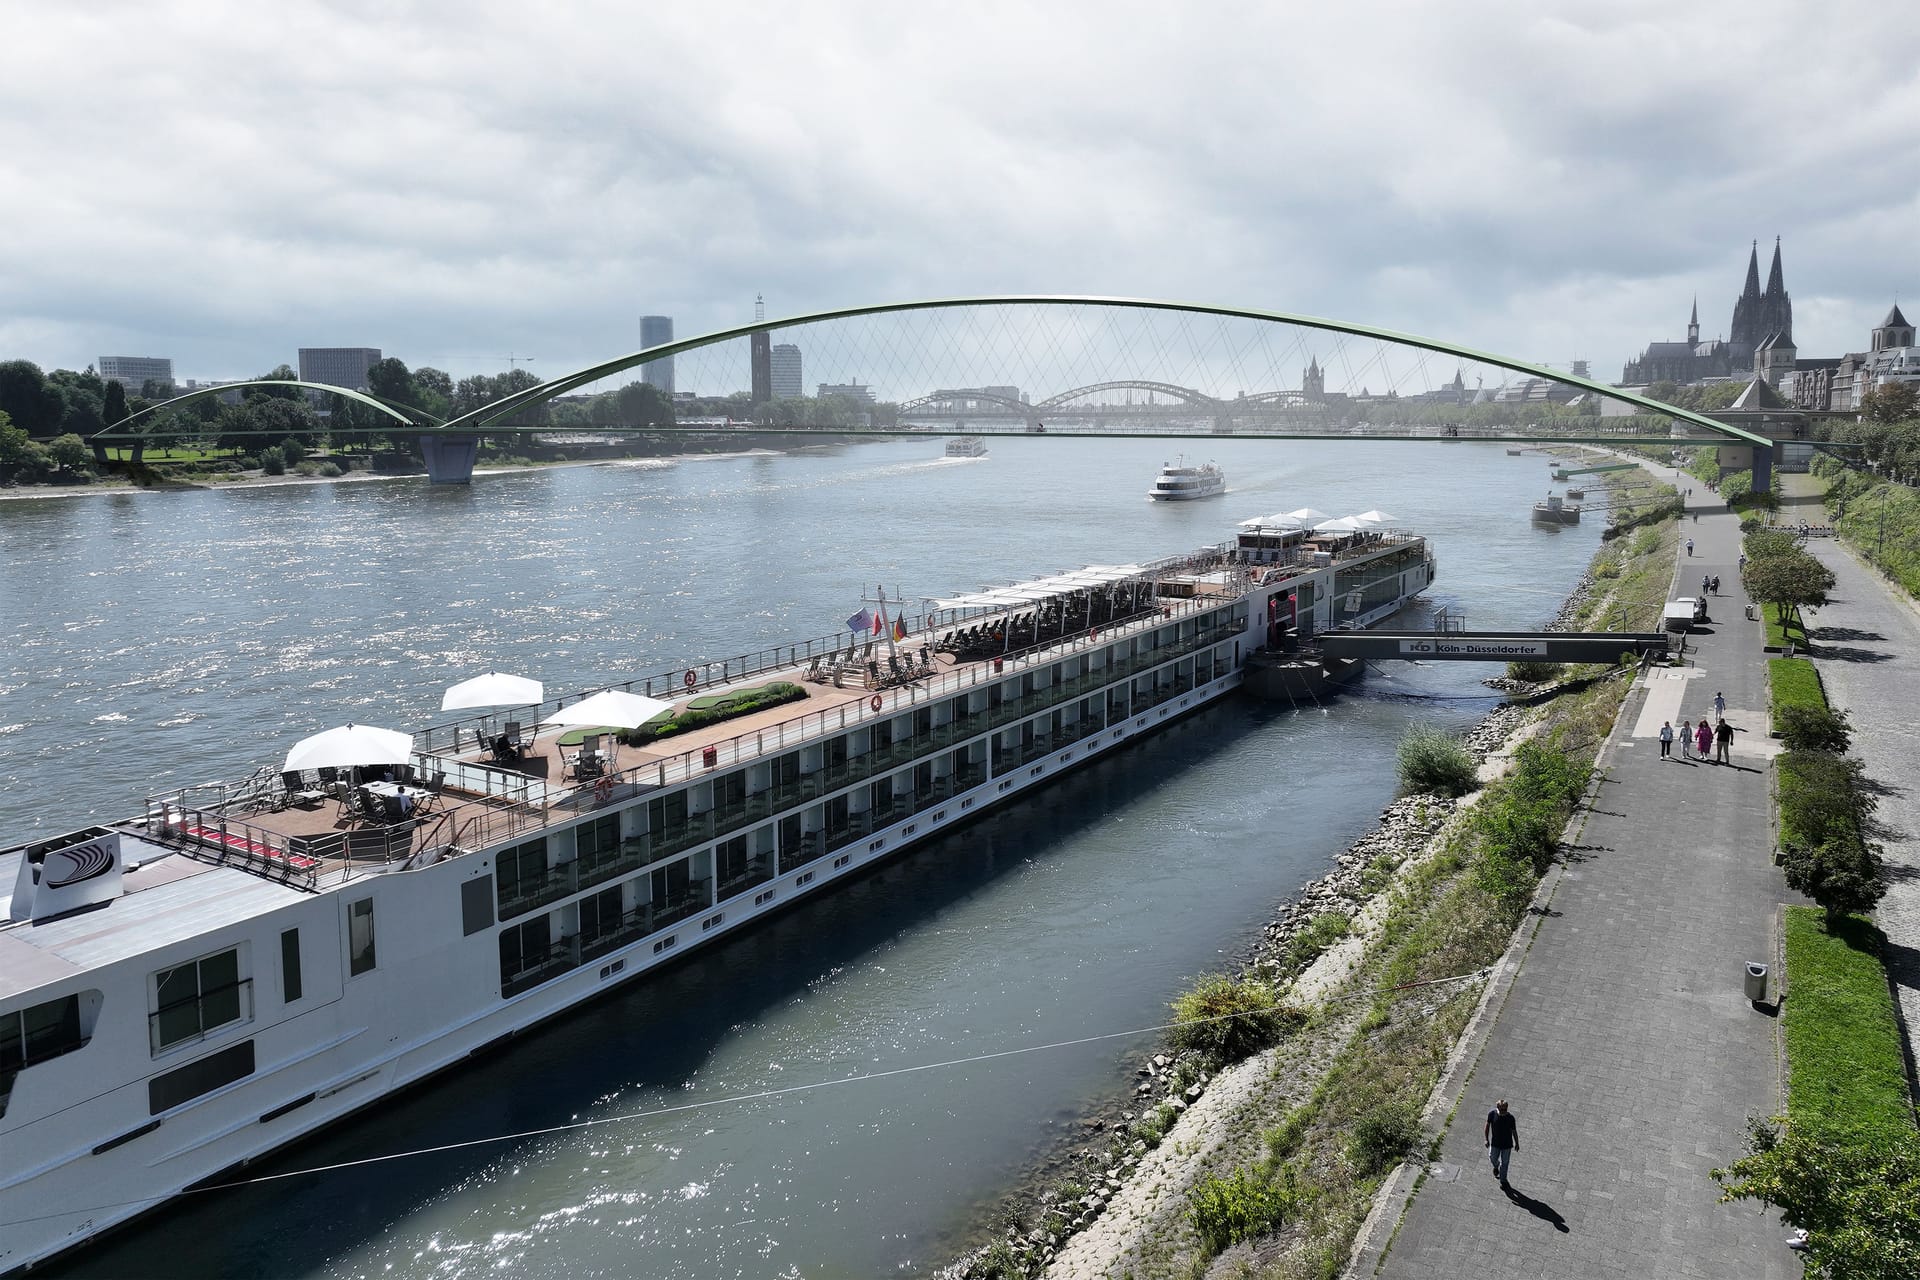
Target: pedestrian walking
1703	738
1686	739
1502	1136
1716	584
1722	743
1720	706
1666	740
1690	544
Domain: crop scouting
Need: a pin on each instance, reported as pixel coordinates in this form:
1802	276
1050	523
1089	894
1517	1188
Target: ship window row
1366	586
539	871
685	818
194	999
550	943
39	1033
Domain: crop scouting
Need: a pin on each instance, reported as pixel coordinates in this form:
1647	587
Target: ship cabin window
35	1034
524	952
667	815
882	735
923	722
521	870
597	841
360	957
290	966
730	791
194	999
600	915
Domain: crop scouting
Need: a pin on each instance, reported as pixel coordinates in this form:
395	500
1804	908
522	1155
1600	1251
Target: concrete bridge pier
450	457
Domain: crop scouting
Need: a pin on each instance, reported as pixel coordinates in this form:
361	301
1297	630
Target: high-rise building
134	372
783	370
338	366
760	355
657	331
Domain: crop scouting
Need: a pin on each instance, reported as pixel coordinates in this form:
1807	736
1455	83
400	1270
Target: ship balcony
758	871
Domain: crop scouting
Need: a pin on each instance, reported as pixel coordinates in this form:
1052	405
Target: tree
14	444
113	412
641	404
69	452
1859	1202
26	398
389	380
1793	582
1890	402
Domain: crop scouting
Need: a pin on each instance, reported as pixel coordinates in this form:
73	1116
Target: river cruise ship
966	447
245	961
1178	482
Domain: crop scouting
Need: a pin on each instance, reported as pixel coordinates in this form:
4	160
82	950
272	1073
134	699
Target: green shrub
1793	682
1383	1136
1226	1211
1431	759
330	470
1859	1204
714	708
307	468
1811	728
1223	1019
1534	672
273	462
1320	933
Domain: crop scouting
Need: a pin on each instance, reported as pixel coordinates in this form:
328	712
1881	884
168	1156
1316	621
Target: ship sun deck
465	797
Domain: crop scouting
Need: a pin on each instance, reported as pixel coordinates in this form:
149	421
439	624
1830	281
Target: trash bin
1756	982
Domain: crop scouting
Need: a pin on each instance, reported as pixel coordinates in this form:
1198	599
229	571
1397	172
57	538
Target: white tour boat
966	447
244	962
1178	482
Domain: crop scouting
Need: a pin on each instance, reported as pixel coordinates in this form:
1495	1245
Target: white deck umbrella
1306	515
494	689
1345	524
351	746
613	708
1376	517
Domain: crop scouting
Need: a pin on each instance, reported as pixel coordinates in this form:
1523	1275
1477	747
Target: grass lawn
1795	682
1782	630
1846	1075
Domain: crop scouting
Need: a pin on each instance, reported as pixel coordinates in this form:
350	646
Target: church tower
1776	305
1313	382
1693	324
1746	334
1894	332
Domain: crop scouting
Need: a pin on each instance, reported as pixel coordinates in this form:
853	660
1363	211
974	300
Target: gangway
1563	473
1493	646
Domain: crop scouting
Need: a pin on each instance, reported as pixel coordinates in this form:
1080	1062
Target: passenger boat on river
245	961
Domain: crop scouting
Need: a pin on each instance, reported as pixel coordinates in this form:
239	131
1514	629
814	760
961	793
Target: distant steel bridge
450	446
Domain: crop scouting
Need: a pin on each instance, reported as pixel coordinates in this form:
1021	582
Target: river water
156	639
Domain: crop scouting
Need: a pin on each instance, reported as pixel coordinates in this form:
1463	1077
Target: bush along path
1843	1164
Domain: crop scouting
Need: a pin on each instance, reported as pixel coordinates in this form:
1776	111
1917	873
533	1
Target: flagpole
885	629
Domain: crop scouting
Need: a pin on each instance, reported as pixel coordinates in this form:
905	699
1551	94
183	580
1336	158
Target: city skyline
1534	182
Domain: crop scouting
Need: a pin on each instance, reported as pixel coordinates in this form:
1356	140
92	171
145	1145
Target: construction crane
511	359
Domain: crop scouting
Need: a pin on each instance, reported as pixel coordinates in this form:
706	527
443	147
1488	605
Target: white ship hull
341	1017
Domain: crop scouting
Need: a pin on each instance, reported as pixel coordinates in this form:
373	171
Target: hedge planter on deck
713	709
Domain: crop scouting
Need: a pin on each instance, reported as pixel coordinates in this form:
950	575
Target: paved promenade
1624	1044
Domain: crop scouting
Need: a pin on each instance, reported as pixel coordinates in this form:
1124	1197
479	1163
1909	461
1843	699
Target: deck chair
513	736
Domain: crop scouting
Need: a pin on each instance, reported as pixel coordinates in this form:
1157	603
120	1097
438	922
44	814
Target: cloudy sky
452	182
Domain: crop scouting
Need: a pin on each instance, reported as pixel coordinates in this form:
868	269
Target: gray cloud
224	183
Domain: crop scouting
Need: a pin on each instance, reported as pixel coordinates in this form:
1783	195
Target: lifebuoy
692	678
603	789
874	702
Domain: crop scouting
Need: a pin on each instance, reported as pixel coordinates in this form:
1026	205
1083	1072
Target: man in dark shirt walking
1502	1135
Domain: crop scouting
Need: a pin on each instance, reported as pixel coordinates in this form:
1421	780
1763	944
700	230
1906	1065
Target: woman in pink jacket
1703	738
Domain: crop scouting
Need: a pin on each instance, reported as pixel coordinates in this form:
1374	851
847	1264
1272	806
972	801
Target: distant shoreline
252	480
